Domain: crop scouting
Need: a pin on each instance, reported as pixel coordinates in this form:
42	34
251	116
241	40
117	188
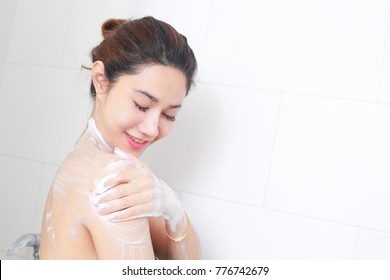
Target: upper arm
122	240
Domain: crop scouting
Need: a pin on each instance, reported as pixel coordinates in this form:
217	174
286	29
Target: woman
104	202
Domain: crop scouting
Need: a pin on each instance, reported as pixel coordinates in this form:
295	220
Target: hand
133	191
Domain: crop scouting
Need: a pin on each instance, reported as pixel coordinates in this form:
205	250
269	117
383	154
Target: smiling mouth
137	140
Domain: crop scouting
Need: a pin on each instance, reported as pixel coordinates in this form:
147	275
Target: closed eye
144	109
169	118
139	107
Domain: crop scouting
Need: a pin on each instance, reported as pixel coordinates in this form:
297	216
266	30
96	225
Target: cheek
126	117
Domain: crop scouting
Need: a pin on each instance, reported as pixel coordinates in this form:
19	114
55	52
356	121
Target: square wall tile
221	145
232	231
7	16
330	48
39	32
88	16
19	181
373	245
332	161
42	111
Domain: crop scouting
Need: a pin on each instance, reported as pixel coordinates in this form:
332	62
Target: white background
282	151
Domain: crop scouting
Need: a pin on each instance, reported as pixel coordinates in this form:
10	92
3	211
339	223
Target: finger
111	194
127	174
120	178
138	211
123	176
135	186
125	202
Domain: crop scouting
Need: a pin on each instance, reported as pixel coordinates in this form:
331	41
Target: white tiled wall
7	16
330	48
39	32
42	110
235	231
336	155
281	151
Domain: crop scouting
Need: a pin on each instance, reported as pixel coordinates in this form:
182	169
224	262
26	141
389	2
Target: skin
131	114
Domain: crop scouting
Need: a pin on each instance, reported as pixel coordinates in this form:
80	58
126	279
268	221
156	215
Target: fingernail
112	217
101	208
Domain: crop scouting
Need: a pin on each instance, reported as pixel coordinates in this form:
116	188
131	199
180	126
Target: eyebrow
153	98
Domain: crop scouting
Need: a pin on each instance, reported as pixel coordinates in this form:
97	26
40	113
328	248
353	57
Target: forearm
183	242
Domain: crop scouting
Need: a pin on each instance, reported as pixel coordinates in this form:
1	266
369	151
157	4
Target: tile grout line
367	101
271	160
38	65
67	33
289	213
30	160
335	98
204	44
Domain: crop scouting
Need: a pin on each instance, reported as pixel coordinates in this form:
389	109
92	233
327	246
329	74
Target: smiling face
139	109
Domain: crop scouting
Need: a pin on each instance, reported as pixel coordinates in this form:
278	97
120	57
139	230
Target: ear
99	78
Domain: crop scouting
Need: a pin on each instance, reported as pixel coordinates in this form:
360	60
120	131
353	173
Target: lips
136	142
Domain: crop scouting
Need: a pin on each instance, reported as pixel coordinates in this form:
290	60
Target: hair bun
111	25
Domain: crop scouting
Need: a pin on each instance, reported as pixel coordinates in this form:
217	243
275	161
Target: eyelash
169	118
144	109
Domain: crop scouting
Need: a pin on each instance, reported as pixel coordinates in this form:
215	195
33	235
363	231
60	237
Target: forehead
163	82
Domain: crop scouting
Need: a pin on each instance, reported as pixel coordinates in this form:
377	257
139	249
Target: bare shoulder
73	229
69	215
84	166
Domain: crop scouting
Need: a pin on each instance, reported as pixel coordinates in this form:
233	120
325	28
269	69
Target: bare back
71	228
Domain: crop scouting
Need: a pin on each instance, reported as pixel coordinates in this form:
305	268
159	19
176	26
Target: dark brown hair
130	44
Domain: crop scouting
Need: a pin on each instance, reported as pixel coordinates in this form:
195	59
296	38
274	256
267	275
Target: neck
97	136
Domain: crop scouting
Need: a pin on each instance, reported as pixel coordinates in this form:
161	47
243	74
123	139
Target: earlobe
99	79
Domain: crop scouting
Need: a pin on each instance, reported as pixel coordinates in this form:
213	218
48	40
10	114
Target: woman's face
139	109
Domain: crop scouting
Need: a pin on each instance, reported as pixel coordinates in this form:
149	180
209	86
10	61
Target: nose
150	125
